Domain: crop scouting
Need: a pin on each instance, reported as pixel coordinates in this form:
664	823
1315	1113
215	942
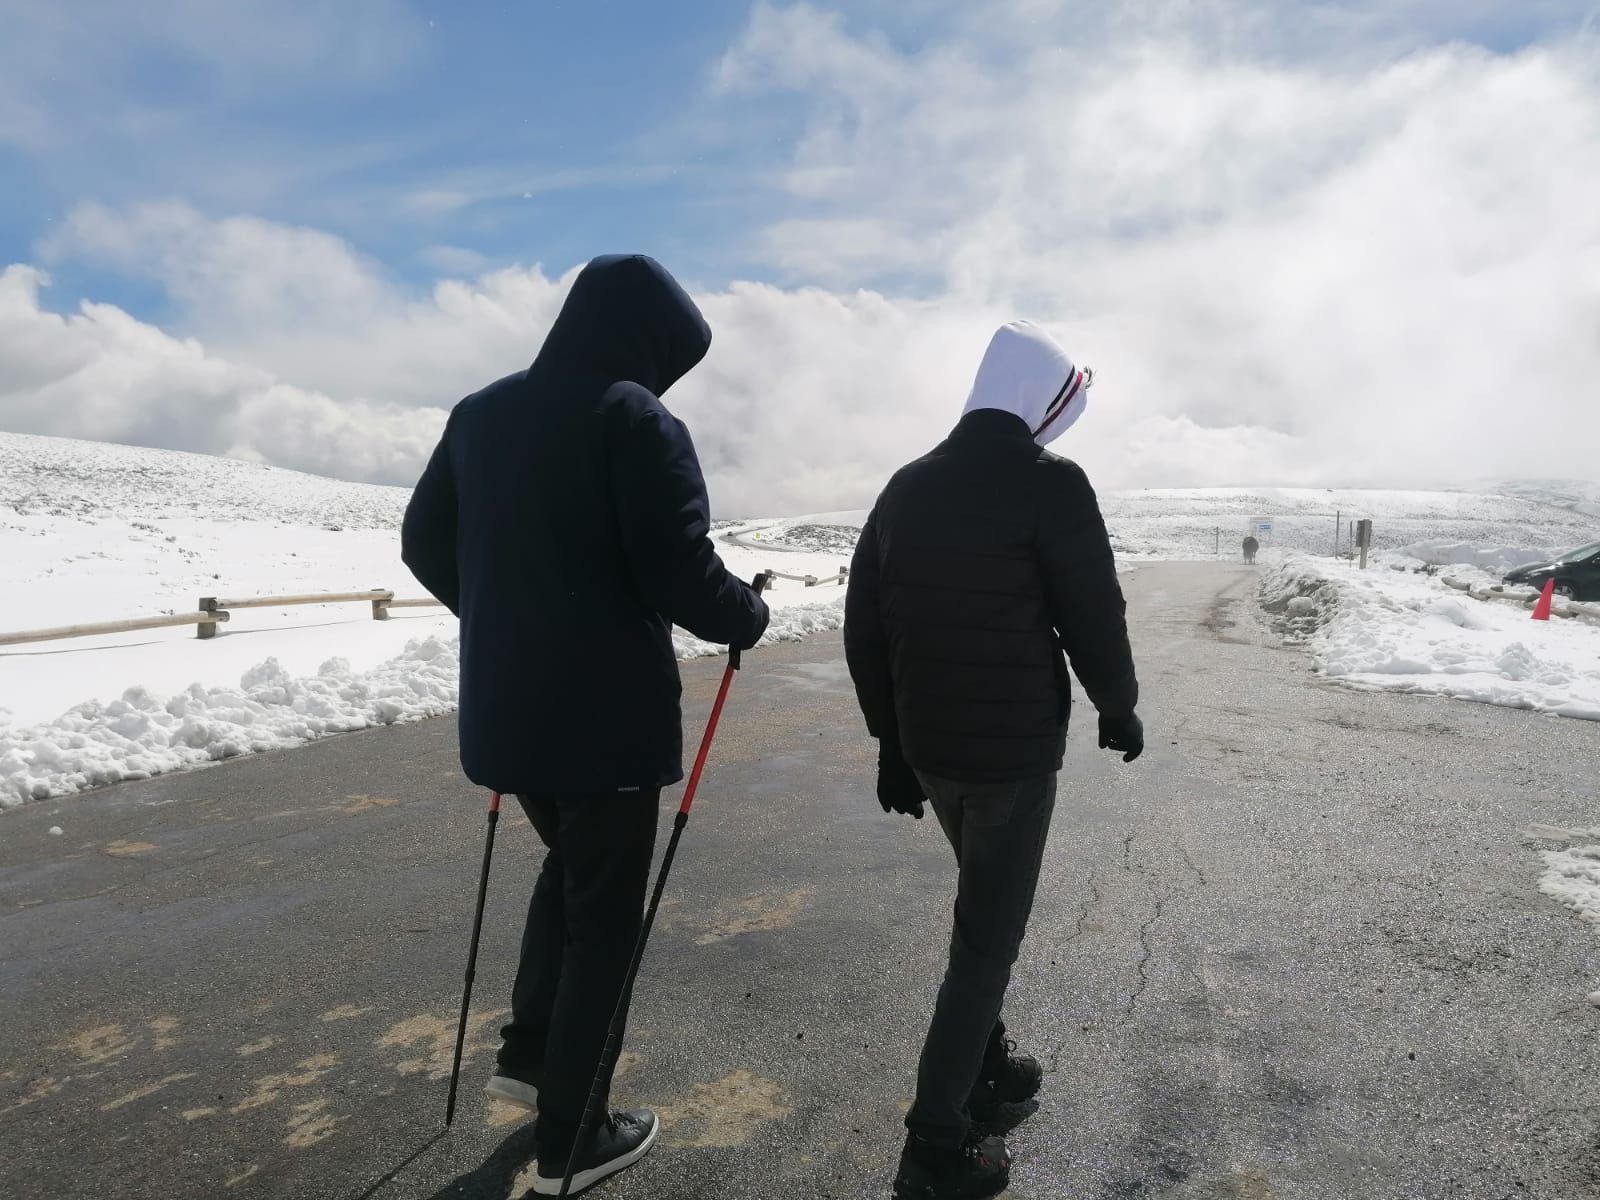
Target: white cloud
1353	269
101	374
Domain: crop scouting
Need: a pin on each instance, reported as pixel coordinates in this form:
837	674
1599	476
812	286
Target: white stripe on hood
1027	373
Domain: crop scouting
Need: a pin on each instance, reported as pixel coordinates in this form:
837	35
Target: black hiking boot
621	1140
1013	1077
979	1168
1004	1095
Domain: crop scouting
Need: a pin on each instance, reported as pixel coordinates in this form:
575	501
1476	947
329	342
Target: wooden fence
812	580
215	610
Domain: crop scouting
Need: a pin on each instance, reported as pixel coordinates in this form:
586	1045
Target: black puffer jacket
563	517
980	564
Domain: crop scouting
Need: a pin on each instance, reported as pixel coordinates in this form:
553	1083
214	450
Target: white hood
1027	373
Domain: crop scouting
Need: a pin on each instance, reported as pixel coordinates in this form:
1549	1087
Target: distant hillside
47	476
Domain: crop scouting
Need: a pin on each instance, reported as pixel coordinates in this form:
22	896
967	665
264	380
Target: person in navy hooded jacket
563	517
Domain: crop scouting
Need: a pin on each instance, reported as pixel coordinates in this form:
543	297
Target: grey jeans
998	832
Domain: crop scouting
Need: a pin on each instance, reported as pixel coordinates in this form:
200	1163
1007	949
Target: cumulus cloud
101	374
1337	259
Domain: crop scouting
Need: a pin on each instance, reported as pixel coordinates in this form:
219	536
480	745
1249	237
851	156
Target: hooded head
629	319
1026	373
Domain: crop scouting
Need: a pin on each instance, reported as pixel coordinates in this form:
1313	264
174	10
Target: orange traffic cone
1541	610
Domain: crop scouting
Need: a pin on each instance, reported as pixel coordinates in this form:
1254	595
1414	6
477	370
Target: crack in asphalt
1146	951
1192	865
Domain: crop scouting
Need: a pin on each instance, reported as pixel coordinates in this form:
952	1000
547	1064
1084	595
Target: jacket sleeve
428	533
866	644
1081	588
665	522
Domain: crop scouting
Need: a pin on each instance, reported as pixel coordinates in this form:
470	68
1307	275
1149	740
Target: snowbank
142	734
1496	560
1572	878
1399	631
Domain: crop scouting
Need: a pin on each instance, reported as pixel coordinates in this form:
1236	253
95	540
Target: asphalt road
1296	951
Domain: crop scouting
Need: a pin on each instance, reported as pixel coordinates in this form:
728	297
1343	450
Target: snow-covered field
1403	631
94	532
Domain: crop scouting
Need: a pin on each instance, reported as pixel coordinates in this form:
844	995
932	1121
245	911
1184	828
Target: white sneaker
514	1091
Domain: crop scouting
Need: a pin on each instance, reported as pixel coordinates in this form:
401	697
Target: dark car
1577	573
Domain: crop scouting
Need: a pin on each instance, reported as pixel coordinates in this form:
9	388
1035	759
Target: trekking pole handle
758	585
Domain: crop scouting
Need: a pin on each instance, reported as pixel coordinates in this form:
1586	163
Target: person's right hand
1124	735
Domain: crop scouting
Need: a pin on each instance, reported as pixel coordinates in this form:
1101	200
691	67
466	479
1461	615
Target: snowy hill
95	532
1190	523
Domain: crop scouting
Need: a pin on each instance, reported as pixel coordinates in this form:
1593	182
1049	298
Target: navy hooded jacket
563	517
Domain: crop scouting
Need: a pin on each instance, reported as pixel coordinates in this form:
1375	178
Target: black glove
1125	735
899	789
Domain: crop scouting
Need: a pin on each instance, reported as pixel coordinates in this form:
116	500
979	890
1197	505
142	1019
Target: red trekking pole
619	1018
472	957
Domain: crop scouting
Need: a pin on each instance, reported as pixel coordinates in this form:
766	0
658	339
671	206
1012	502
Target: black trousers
998	832
583	922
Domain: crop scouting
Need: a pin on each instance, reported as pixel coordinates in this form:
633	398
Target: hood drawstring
1026	372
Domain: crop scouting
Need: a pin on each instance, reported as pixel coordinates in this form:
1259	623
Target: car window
1581	554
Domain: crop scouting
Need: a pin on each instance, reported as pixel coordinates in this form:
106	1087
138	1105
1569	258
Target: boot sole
514	1091
1003	1118
584	1180
1000	1184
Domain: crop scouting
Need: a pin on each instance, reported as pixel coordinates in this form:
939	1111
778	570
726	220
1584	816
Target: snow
1495	560
1403	631
1572	877
93	532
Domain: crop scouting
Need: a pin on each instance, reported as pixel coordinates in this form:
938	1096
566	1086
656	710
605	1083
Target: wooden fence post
207	629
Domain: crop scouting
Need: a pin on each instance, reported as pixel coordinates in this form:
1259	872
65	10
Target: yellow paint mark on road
726	1113
120	849
242	1176
99	1044
1247	1185
47	1086
346	1011
522	1185
756	914
310	1124
249	1048
356	804
195	1114
435	1039
269	1087
498	1114
163	1028
150	1089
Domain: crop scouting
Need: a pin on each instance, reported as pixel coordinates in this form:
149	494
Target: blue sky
356	211
505	132
520	132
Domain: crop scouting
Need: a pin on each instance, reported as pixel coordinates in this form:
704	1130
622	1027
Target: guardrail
206	620
812	580
1560	607
214	611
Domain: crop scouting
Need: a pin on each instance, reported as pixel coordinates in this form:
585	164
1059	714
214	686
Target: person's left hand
899	789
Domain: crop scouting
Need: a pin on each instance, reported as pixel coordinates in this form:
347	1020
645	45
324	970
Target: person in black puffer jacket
983	567
563	517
